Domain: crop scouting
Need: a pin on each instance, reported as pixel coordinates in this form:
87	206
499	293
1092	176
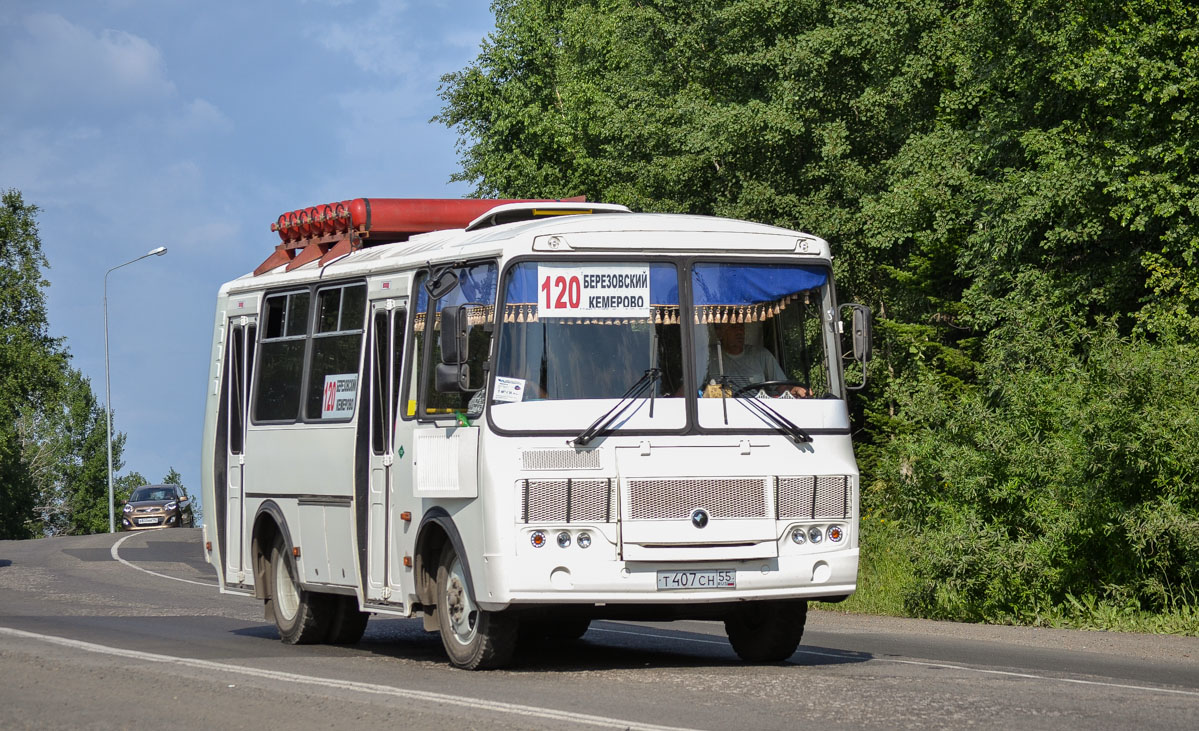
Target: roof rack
326	232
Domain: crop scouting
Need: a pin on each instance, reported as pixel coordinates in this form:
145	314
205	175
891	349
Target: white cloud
56	64
382	43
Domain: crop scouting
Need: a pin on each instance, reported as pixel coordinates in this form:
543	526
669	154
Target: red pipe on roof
385	217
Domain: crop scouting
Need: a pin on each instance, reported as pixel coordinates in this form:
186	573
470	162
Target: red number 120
570	292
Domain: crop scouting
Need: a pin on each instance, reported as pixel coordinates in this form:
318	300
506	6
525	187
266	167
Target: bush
1069	473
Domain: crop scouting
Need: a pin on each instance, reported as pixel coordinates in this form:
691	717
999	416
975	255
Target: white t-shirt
753	364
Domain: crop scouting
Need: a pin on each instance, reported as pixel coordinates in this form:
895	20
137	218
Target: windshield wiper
649	379
764	411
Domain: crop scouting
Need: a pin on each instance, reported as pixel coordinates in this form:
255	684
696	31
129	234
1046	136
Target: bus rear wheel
474	639
301	616
766	631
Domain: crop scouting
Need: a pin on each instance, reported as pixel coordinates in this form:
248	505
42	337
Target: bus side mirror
452	374
862	349
452	338
860	340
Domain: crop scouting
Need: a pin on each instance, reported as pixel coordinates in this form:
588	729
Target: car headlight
170	506
128	508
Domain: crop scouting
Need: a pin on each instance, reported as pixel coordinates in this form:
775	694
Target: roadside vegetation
1011	185
53	435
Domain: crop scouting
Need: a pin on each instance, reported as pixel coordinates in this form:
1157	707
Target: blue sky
134	124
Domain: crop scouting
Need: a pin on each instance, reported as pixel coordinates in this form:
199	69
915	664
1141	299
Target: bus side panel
312	465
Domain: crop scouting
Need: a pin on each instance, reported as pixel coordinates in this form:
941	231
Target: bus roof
655	233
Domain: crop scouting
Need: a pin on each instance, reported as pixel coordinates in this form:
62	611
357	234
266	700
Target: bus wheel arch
269	527
436	530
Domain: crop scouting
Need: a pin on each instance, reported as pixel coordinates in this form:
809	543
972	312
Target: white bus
512	418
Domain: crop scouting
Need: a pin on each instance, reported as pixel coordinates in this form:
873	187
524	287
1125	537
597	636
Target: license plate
147	521
706	579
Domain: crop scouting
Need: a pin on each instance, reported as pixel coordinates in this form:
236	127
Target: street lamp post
112	525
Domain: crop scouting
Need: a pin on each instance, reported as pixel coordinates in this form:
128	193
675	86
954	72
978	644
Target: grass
884	571
885	576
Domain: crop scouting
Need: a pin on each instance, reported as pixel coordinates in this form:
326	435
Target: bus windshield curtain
750	292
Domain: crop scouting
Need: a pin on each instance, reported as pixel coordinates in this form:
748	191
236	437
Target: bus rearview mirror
452	338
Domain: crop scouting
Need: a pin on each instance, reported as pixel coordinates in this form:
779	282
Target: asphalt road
128	631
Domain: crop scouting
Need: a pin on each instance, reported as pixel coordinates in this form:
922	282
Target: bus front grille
814	497
560	459
566	500
676	499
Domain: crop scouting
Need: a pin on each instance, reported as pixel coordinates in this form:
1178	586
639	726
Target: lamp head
159	251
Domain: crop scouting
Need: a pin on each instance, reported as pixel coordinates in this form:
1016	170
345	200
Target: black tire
347	622
301	616
766	631
474	639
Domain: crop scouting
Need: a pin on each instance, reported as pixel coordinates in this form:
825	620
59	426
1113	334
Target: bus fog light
537	539
835	534
814	535
584	540
798	537
563	539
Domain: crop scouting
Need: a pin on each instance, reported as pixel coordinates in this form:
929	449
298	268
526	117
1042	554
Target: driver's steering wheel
782	384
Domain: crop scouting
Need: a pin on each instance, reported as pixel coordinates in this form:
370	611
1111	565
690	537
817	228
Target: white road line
922	663
117	557
477	704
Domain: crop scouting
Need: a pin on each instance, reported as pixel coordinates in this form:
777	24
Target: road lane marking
117	557
925	663
477	704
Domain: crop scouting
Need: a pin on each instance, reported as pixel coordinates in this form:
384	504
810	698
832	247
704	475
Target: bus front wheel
474	639
301	616
766	631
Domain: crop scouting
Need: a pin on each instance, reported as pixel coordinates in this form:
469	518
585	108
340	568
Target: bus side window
476	283
336	344
281	361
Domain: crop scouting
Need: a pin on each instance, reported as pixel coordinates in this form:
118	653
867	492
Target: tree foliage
1013	186
53	452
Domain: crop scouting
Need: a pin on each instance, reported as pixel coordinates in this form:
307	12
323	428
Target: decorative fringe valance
659	314
670	314
477	316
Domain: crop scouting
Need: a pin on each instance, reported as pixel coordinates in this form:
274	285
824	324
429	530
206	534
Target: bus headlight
584	540
798	537
814	535
563	539
537	538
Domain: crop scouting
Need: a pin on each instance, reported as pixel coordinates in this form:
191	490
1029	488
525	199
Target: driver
745	363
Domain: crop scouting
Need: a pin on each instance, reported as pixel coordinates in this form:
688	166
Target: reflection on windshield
593	336
588	330
760	330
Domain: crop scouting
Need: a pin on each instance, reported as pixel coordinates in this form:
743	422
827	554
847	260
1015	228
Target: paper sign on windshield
593	290
337	400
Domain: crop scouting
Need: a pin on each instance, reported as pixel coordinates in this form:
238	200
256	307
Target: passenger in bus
745	363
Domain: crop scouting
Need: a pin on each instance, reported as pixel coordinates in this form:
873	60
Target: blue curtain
747	284
663	283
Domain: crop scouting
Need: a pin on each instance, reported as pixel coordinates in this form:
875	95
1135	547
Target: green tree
53	472
30	362
1011	184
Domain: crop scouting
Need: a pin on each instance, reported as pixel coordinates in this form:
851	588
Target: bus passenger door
242	331
387	345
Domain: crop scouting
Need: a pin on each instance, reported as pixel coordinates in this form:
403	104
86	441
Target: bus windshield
591	331
605	325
